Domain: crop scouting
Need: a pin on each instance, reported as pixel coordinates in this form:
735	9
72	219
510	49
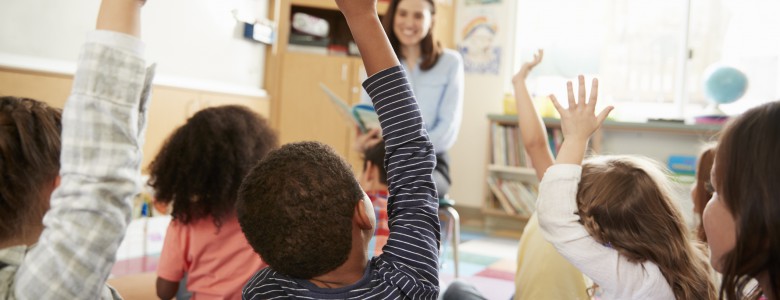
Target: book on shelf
514	197
361	115
499	195
507	146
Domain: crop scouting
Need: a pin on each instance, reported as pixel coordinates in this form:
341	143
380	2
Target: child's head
702	190
201	165
374	176
743	218
297	208
624	203
29	164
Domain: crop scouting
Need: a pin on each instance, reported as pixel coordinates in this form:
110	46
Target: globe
724	84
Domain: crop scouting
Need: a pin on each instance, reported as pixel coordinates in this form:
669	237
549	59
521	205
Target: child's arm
557	204
375	48
532	129
102	136
413	244
166	290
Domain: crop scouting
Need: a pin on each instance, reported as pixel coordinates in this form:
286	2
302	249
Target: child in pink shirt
199	170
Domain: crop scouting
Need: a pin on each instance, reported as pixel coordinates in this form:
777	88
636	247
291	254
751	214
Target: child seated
741	220
304	212
199	170
68	252
612	217
542	273
374	183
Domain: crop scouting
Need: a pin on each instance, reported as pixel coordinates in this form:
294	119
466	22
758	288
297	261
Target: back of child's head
625	204
747	180
702	190
296	208
376	155
29	159
201	165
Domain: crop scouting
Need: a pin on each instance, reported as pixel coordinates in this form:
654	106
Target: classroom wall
484	95
195	40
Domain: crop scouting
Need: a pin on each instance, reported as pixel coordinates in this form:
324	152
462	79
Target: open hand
527	67
357	7
578	121
367	140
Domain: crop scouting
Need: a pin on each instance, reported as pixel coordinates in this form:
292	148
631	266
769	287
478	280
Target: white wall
189	39
484	95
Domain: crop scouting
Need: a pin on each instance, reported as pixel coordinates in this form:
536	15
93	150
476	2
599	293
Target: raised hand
527	67
363	141
579	121
356	7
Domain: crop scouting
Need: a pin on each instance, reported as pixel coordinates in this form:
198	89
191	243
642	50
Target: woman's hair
624	203
702	191
747	180
431	49
29	159
201	165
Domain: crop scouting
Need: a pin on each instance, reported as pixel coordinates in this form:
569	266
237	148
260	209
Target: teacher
436	76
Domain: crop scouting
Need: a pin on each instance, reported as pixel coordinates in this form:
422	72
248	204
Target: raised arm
557	204
409	158
102	135
532	129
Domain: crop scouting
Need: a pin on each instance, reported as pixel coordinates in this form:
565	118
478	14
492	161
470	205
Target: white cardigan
616	276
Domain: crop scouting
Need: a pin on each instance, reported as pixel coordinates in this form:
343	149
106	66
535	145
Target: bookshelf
508	162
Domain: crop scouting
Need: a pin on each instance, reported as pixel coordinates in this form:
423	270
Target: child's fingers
594	94
581	92
570	90
557	104
604	114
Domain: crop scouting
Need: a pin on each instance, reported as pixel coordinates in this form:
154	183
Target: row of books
507	146
514	197
508	149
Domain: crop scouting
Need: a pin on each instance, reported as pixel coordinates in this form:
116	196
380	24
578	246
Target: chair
450	229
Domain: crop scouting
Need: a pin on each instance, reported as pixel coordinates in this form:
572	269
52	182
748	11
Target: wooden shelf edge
499	213
511	169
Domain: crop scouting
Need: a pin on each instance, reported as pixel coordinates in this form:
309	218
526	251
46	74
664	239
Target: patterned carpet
487	262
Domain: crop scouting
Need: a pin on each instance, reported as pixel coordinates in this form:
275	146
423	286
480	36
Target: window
651	56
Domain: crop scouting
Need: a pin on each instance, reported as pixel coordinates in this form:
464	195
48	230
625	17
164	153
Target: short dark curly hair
30	141
201	165
296	207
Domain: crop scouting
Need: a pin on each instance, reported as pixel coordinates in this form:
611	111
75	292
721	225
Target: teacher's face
413	20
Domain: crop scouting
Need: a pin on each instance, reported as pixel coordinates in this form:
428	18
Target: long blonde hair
624	203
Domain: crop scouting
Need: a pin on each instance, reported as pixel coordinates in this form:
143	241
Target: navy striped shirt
408	266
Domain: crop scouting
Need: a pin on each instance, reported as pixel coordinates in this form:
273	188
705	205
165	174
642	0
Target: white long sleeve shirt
616	276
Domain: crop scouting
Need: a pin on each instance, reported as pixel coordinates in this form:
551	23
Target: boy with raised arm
304	212
70	254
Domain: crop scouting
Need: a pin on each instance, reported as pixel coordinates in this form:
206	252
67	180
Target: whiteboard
197	40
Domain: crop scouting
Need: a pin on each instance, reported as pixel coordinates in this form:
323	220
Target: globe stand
713	110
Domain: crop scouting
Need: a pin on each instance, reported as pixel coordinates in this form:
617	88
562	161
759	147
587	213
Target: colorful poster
479	46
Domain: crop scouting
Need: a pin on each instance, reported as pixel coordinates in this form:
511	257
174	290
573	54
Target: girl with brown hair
612	217
702	190
742	220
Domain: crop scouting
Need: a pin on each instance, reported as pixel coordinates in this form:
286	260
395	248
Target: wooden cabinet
169	109
300	110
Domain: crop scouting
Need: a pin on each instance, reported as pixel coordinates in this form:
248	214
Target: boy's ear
363	217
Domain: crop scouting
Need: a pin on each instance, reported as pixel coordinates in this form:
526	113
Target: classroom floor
488	262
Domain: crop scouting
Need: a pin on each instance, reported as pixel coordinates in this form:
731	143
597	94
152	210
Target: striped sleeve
409	161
